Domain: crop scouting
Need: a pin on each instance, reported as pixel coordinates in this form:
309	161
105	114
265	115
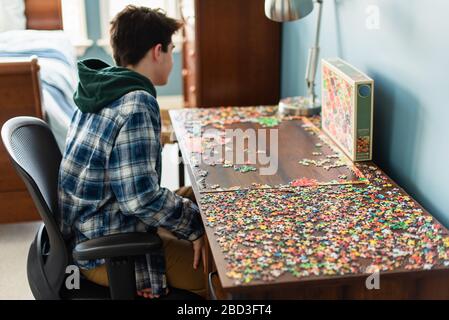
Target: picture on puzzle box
338	109
363	144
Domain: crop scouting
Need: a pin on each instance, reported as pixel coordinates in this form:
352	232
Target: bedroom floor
15	239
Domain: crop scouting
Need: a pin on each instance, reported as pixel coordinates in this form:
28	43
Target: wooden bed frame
20	95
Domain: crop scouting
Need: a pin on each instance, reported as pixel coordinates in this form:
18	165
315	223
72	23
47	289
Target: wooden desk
307	231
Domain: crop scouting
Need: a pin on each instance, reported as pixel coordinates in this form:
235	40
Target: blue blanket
40	53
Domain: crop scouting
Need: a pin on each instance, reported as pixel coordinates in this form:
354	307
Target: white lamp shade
287	10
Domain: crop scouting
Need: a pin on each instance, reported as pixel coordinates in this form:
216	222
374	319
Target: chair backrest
36	157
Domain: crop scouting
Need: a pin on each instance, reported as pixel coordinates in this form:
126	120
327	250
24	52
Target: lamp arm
312	63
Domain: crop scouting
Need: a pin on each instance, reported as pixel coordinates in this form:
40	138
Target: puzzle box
347	108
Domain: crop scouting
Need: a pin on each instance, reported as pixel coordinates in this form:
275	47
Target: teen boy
110	175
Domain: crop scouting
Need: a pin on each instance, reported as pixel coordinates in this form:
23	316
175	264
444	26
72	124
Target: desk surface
319	219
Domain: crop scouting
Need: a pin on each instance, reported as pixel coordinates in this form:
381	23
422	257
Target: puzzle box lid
351	73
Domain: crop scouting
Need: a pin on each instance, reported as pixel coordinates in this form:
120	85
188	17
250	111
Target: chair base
92	291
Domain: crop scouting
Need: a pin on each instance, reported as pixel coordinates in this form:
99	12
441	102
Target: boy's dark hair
135	30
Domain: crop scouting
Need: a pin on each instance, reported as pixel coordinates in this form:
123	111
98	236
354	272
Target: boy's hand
199	251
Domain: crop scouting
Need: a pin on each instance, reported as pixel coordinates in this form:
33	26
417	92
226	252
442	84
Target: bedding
58	74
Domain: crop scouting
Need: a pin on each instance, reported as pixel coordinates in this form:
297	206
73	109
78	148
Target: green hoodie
100	84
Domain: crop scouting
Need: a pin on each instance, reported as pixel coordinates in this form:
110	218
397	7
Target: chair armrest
118	245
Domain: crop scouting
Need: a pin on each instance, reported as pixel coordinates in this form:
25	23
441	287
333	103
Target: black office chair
36	157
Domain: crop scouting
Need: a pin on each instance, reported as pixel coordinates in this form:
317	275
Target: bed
52	57
37	78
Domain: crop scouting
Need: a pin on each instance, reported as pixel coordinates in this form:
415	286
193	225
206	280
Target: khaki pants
178	261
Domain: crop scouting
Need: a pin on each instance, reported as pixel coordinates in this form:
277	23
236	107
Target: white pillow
12	15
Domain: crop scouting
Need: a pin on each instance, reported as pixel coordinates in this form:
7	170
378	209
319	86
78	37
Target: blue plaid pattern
109	182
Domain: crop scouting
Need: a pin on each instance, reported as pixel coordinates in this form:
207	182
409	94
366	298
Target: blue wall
174	85
408	59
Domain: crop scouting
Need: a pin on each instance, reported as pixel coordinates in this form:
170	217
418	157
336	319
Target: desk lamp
290	10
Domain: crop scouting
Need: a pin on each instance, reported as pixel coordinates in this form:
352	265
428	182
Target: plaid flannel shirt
109	182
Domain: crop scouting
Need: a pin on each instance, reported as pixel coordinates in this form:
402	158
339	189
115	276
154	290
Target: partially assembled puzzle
347	108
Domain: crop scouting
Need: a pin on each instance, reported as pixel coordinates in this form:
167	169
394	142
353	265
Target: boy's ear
157	51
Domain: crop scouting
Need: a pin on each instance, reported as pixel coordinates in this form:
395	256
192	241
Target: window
109	8
74	24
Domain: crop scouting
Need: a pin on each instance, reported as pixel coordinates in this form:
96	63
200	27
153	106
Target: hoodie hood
100	84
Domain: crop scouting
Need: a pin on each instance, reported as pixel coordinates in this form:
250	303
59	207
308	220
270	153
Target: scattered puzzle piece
268	121
244	169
